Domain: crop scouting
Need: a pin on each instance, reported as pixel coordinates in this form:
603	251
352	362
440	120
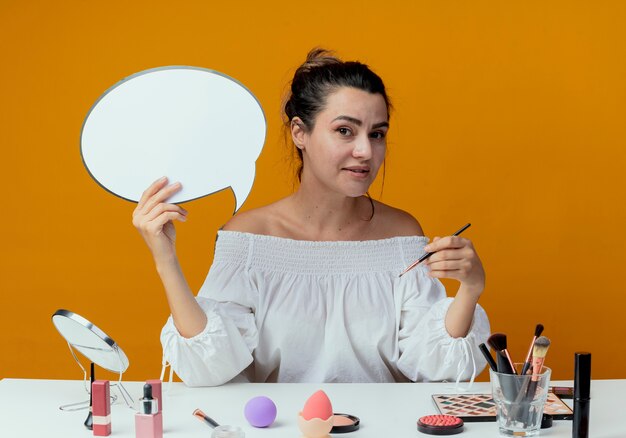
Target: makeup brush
204	417
485	351
538	331
539	355
497	341
540	349
428	254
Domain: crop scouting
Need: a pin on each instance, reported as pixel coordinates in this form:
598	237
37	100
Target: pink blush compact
440	425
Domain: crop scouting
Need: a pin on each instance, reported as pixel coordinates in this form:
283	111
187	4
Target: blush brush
540	349
527	362
497	341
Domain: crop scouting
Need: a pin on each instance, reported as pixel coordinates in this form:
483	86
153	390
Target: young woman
307	289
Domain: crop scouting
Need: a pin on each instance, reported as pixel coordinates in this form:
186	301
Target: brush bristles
497	341
541	347
538	330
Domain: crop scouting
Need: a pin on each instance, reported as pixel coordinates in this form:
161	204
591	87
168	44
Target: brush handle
504	366
485	351
428	254
529	356
521	405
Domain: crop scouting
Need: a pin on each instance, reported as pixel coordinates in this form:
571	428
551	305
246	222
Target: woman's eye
377	135
344	131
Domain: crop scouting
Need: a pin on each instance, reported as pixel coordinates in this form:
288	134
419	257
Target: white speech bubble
193	125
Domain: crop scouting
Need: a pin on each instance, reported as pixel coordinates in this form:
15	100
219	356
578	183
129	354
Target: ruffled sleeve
224	348
427	351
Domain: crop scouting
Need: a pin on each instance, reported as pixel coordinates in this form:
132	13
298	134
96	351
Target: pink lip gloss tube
101	408
148	421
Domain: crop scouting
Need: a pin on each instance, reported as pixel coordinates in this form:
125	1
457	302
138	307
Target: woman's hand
454	257
153	218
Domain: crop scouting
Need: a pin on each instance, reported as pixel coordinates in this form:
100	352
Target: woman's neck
320	216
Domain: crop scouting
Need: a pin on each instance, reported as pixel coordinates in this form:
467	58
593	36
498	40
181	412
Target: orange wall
510	115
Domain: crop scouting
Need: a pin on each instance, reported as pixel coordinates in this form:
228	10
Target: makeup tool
440	425
428	254
485	351
85	337
540	350
204	417
497	341
316	419
101	391
582	392
477	408
147	421
538	331
344	423
89	420
224	431
260	411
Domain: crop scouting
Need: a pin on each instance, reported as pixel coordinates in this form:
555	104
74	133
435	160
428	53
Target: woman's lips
358	172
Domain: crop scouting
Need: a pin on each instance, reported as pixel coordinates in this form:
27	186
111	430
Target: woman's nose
362	148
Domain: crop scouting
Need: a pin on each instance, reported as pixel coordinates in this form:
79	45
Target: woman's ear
298	132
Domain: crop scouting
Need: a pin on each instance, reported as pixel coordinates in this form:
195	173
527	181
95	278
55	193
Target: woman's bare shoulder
261	220
395	222
251	221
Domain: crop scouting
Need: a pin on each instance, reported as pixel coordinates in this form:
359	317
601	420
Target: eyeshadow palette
481	407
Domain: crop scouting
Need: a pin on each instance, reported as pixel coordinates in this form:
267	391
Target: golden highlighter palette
481	407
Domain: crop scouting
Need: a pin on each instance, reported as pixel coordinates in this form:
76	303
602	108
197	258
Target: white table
30	408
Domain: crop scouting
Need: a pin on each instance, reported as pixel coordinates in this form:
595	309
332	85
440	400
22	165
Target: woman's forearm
189	318
461	313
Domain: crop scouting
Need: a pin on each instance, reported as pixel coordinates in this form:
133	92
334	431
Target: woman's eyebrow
360	123
349	119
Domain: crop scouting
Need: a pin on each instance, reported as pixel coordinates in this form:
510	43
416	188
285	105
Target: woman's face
346	146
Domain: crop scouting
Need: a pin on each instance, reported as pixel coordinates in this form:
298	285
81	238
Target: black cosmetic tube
582	391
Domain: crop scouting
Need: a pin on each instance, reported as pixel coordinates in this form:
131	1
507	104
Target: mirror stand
95	345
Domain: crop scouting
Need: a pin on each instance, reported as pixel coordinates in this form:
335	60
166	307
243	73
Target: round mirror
92	342
193	125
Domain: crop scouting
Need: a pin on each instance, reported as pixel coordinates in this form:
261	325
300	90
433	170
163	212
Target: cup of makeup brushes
520	400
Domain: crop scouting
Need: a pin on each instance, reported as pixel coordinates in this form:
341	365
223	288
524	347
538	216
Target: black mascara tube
582	391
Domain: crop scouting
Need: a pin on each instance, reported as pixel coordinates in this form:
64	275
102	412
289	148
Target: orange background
509	115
